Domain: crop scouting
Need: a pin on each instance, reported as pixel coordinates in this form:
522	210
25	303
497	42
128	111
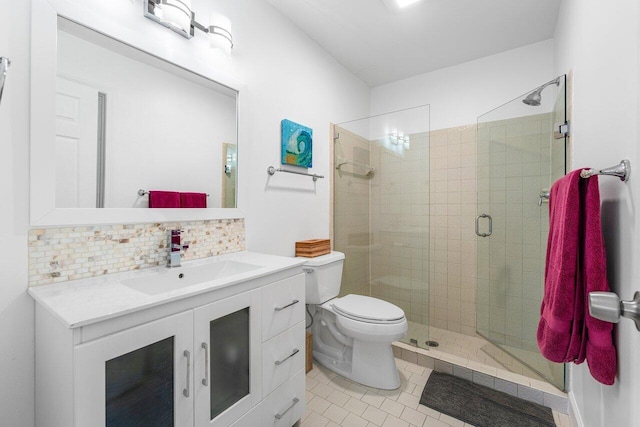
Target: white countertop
82	302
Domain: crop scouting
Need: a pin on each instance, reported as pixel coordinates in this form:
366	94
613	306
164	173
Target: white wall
286	76
16	307
600	42
459	94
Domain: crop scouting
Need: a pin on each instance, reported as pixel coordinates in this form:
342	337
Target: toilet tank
323	277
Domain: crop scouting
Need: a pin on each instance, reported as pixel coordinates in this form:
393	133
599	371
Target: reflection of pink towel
193	200
164	199
575	266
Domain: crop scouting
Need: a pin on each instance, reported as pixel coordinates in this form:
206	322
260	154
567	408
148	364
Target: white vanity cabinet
212	359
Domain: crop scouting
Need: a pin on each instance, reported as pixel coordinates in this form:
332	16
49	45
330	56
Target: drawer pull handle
205	380
295	301
188	356
280	362
295	400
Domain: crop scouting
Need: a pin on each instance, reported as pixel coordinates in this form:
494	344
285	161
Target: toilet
352	335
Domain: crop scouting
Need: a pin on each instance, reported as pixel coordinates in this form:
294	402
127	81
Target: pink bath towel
575	266
193	200
164	199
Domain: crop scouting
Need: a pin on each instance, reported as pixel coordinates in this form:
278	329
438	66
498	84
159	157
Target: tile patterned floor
335	401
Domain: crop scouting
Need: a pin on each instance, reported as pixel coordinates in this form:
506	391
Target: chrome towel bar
621	170
271	171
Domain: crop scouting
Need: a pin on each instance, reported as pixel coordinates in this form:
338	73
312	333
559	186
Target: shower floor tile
331	402
479	350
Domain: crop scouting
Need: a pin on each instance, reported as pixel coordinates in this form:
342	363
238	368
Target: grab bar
271	171
4	66
621	170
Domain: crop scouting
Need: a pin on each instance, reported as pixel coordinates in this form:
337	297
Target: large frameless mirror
112	122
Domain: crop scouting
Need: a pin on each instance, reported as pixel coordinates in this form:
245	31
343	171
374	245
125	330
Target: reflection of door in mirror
76	144
229	174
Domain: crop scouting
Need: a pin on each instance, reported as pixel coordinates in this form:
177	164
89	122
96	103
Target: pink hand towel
164	199
575	265
193	200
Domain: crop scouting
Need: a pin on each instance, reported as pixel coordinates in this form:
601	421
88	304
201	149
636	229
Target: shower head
535	98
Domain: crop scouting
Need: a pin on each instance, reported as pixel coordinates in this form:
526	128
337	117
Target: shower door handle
478	225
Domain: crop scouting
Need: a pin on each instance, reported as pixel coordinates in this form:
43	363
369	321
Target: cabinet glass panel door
229	337
139	387
142	376
228	354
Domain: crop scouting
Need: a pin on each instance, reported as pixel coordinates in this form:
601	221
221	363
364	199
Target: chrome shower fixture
534	98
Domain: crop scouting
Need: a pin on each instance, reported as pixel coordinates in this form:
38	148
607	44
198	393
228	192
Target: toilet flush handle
308	270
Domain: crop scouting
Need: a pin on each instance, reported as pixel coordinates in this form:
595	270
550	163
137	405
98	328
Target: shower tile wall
453	240
513	167
400	224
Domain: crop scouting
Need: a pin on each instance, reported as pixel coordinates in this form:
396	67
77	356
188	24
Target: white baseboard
574	413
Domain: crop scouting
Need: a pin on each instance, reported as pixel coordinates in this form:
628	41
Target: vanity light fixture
178	17
220	33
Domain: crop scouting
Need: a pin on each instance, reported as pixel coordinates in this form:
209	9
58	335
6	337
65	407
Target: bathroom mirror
111	116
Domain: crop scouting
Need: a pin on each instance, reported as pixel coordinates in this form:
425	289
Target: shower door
519	158
381	211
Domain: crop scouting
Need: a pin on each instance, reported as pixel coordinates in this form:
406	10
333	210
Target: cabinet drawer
252	418
282	356
282	305
286	404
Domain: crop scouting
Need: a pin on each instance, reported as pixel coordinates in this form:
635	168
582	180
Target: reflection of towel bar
145	192
621	170
271	171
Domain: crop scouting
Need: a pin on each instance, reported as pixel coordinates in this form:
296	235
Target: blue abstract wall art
297	144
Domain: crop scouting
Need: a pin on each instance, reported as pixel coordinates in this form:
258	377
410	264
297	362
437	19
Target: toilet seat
368	309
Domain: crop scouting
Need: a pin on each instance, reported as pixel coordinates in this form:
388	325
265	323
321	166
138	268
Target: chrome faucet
175	248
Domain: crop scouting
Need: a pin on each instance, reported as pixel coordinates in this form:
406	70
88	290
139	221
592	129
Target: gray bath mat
482	406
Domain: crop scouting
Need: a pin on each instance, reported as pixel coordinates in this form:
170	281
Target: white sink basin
181	277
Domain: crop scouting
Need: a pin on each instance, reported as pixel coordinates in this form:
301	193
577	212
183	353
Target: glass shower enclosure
521	152
381	211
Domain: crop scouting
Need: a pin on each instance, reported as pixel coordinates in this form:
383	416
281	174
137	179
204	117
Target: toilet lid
367	308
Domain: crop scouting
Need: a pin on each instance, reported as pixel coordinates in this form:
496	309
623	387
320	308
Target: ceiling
381	46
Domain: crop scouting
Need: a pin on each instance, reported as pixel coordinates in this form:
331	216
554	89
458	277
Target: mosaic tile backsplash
70	253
